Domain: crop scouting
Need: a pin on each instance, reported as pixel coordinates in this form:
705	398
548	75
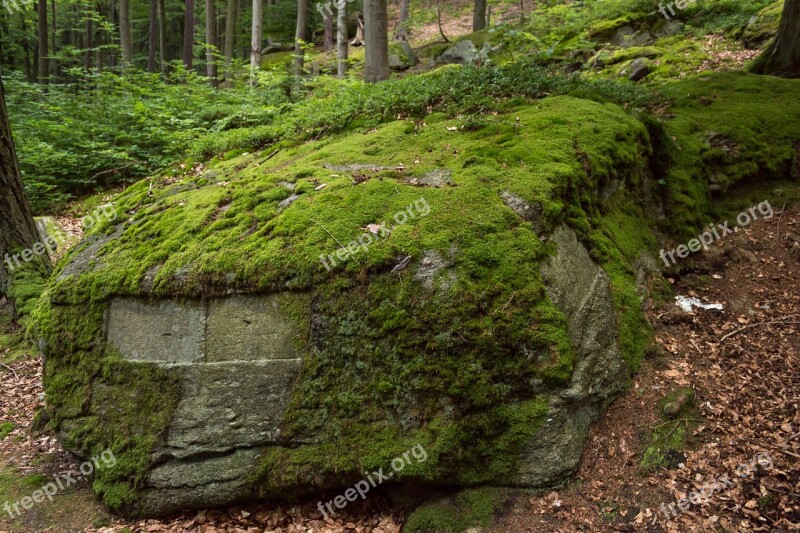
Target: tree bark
162	35
53	38
89	38
188	35
401	30
327	40
255	41
341	38
125	40
300	36
376	41
782	57
479	15
152	37
211	43
44	66
230	38
17	228
358	40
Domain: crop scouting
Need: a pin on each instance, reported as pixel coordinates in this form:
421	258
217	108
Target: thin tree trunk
439	21
44	67
162	36
300	36
327	40
341	38
211	43
255	41
17	228
401	30
782	57
152	37
479	15
358	40
188	35
30	73
230	38
53	50
89	38
126	42
376	41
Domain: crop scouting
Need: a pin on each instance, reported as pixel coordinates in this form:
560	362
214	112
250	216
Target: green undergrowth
668	437
472	508
451	89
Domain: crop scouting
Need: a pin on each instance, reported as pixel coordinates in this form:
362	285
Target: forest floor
741	362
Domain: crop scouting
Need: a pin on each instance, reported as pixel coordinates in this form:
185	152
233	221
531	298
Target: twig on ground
334	238
11	369
771	322
783	210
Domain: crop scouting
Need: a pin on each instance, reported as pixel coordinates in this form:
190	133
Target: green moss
718	137
763	26
473	508
669	436
99	402
5	429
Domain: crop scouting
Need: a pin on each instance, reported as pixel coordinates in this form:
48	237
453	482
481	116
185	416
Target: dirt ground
741	362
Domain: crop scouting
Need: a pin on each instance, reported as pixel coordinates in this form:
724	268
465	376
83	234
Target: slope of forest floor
740	362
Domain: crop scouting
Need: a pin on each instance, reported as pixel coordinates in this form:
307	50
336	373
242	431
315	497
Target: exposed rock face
236	366
463	51
581	290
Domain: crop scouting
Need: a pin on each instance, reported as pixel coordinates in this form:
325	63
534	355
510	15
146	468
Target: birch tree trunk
341	38
255	42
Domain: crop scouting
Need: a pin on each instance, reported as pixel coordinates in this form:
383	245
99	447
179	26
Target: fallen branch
11	369
734	332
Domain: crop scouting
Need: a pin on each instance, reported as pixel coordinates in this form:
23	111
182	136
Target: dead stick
783	210
334	238
11	369
734	332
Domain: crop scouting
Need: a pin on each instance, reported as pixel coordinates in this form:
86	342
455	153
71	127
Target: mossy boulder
763	26
466	287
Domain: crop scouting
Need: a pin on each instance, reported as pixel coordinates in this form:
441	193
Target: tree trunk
162	35
53	38
211	43
188	35
376	41
89	38
401	30
125	40
479	15
26	48
782	57
327	41
358	40
341	38
44	67
300	36
439	20
230	38
152	37
256	38
17	229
